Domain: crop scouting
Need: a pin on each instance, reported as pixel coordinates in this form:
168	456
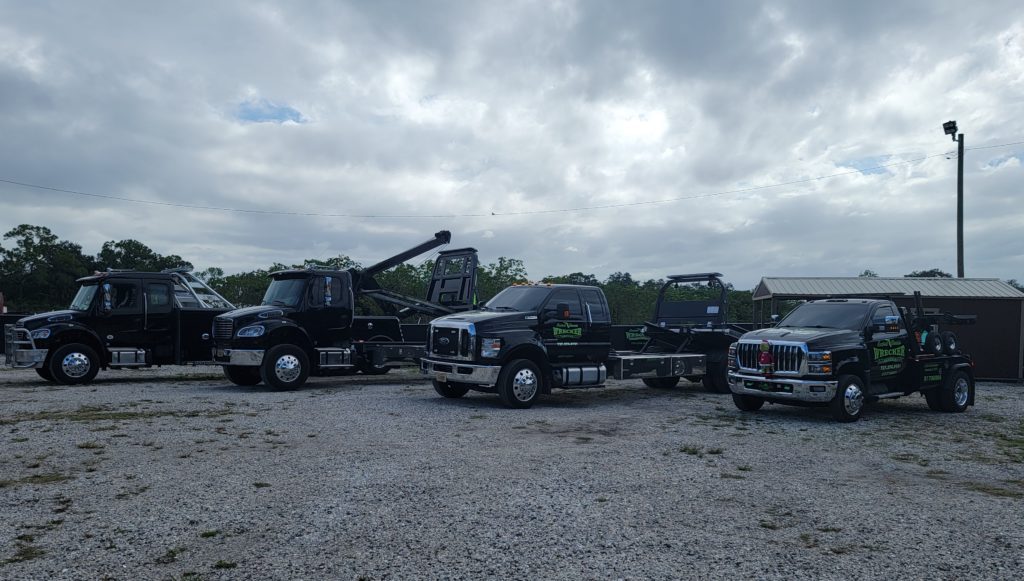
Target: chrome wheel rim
75	365
853	400
524	384
287	368
961	389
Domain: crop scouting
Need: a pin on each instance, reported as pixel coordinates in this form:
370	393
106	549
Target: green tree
933	273
868	273
494	277
38	271
573	278
1013	282
134	255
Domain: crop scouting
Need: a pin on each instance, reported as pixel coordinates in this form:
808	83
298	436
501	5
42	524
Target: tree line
38	273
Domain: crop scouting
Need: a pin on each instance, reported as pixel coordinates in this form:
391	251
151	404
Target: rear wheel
747	403
242	375
716	380
74	363
44	372
450	389
848	404
661	382
955	392
285	367
371	369
519	383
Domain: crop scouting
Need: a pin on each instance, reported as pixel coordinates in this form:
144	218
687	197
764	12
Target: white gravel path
176	474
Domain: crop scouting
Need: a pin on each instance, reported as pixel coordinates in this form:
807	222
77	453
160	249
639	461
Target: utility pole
949	127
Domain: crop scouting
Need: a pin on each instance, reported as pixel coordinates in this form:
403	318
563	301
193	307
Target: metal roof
810	287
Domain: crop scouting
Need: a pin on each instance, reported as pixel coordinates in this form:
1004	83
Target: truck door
889	346
563	335
329	309
121	320
597	341
161	332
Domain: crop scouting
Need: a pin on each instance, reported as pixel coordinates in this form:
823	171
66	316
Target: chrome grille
455	342
223	328
787	357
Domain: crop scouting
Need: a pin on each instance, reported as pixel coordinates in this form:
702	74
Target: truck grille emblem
444	340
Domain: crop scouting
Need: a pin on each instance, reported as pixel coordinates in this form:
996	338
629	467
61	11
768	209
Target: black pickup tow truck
529	339
307	322
845	352
119	319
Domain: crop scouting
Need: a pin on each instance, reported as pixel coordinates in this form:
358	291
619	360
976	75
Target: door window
124	297
569	297
592	299
158	297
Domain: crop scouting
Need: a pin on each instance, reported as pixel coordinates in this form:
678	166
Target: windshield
285	292
83	299
518	298
848	316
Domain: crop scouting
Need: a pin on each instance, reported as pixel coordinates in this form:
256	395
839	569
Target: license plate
441	377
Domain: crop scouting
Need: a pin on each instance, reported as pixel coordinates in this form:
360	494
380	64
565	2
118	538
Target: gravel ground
175	473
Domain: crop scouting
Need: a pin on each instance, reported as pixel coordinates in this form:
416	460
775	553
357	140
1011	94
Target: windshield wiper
504	308
278	303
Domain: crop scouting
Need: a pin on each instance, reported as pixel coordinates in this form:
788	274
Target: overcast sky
591	136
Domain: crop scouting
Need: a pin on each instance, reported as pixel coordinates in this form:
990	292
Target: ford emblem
444	340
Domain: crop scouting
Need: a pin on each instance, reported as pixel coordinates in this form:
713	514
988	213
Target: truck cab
529	339
119	319
844	352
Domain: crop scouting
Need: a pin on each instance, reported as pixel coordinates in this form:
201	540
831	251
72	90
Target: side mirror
563	311
775	319
886	324
106	300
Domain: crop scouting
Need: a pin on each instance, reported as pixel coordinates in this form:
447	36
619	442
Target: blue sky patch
263	111
868	165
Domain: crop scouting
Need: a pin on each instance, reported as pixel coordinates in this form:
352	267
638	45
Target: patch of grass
827	529
602	499
49	478
936	473
583	439
728	476
715	451
24	552
478	417
994	490
767	524
808	540
90	446
744	468
19	440
692	451
222	564
98	414
911	458
170	556
209	534
261	484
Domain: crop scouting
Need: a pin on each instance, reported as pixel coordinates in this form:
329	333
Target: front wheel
955	392
285	367
450	389
74	363
848	404
747	403
242	375
661	382
716	380
519	383
44	372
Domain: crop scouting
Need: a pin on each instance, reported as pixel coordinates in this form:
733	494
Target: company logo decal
565	330
889	355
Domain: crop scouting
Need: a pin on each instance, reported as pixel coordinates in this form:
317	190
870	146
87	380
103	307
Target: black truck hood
259	313
491	320
813	337
34	321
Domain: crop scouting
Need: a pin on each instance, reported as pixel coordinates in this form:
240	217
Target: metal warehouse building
996	342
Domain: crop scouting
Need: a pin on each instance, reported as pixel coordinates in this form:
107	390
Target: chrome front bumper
813	391
460	372
242	357
27	358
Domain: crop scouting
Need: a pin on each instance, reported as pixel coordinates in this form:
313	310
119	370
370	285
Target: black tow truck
119	320
685	324
307	322
845	352
529	339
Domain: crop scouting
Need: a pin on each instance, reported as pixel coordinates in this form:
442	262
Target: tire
693	378
716	380
519	383
661	382
950	343
450	389
242	375
932	397
747	403
955	392
74	363
848	404
371	369
285	367
931	343
44	372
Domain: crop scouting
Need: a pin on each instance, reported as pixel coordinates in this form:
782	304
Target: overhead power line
499	213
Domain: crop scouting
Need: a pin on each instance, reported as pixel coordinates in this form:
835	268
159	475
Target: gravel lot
175	473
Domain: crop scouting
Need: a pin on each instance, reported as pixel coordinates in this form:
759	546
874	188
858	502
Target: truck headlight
252	331
490	347
731	360
819	356
40	333
819	368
